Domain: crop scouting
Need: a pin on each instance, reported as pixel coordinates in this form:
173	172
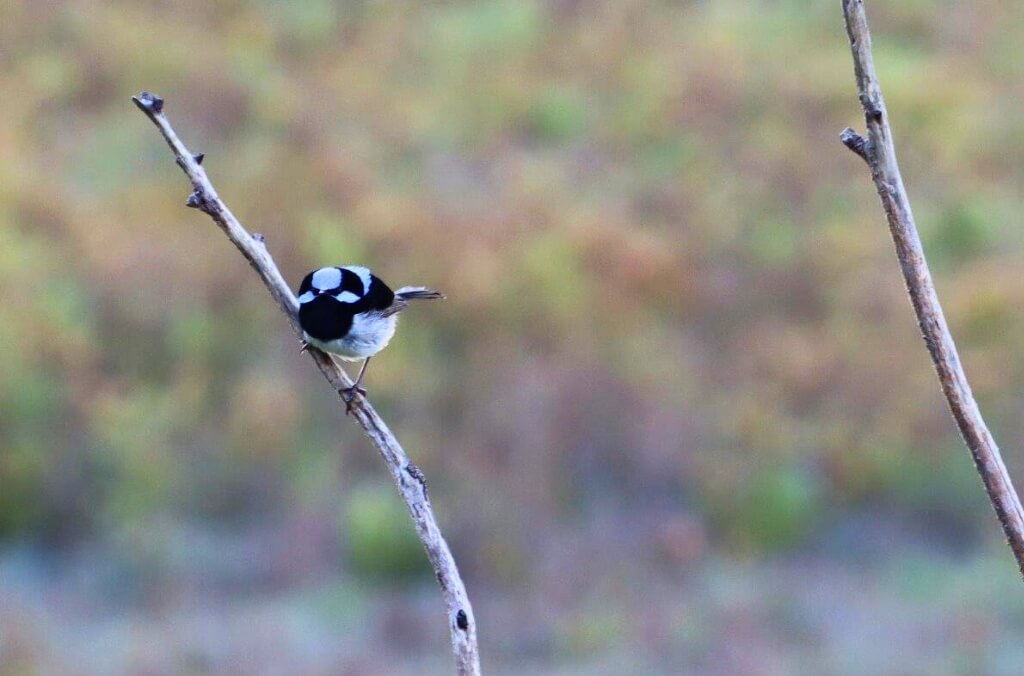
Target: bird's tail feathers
418	293
407	293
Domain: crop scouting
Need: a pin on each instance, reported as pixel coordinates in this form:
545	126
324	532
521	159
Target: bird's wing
394	308
407	293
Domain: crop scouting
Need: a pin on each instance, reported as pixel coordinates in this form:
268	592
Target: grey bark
407	476
880	154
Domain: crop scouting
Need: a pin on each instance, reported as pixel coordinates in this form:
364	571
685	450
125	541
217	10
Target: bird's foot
305	346
348	394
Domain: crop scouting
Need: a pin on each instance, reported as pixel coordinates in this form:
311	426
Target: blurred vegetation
676	342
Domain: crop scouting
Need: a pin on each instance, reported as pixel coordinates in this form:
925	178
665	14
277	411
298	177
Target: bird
349	312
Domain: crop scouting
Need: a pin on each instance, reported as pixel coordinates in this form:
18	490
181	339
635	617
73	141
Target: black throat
324	318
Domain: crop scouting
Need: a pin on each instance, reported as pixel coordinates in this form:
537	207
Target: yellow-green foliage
665	275
378	535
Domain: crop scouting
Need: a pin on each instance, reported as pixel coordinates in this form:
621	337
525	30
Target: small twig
880	154
407	476
855	142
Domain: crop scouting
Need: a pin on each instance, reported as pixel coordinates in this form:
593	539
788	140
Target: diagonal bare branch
880	153
407	476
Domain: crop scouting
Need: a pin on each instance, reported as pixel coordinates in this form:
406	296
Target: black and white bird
349	312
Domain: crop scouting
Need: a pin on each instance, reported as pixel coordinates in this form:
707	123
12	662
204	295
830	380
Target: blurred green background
676	415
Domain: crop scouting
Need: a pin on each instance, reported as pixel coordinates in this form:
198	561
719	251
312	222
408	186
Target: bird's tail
407	293
418	293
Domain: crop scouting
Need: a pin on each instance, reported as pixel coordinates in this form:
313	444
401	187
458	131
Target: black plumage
350	313
324	318
327	318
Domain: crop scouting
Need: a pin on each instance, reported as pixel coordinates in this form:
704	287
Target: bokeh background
676	415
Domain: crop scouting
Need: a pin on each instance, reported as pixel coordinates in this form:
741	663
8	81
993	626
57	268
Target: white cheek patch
363	274
306	297
347	297
325	279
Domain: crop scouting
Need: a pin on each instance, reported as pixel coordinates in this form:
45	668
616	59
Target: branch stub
149	102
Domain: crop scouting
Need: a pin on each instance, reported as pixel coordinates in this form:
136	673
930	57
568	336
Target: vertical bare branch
407	476
880	153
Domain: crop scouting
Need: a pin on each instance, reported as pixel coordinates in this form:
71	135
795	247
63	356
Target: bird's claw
305	347
348	394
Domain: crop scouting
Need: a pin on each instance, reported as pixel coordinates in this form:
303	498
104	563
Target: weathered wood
407	476
879	152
